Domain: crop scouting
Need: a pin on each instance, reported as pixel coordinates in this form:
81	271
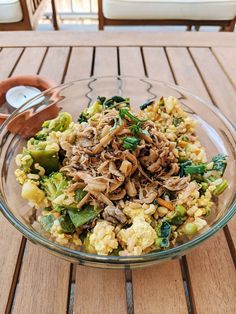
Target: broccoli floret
54	185
60	123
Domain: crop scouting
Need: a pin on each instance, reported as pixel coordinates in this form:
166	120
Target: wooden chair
115	19
31	12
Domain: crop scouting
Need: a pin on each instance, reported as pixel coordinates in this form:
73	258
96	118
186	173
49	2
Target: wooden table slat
159	290
55	63
117	38
8	60
30	61
80	63
226	57
212	261
39	266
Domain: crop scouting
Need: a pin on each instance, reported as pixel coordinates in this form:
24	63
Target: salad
117	182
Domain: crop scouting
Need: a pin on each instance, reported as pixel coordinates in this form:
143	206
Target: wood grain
157	64
43	285
30	61
105	61
10	238
8	59
80	63
117	38
216	81
212	277
226	57
44	276
55	63
159	290
131	61
215	253
99	291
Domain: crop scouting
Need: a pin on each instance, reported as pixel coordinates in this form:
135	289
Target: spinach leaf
66	224
79	195
82	216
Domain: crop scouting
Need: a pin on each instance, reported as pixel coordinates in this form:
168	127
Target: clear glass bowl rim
82	256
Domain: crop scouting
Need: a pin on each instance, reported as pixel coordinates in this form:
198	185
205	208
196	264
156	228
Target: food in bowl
120	183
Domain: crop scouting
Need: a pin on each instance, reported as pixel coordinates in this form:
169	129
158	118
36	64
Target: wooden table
204	281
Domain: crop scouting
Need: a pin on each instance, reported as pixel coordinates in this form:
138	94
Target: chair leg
189	28
54	16
100	16
197	28
230	27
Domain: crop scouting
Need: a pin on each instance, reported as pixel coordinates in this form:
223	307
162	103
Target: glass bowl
214	130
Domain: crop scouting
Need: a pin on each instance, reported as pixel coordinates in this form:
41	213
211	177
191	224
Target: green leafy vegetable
195	169
66	224
48	159
124	112
130	143
79	195
178	216
114	101
54	185
219	162
136	128
82	216
84	116
163	231
182	166
47	222
146	104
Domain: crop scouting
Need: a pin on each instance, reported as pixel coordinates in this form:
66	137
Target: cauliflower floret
133	210
136	238
103	238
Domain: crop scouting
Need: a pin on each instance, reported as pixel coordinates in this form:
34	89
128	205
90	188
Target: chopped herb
124	112
182	166
136	128
115	100
219	162
130	143
84	116
185	138
146	104
177	121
